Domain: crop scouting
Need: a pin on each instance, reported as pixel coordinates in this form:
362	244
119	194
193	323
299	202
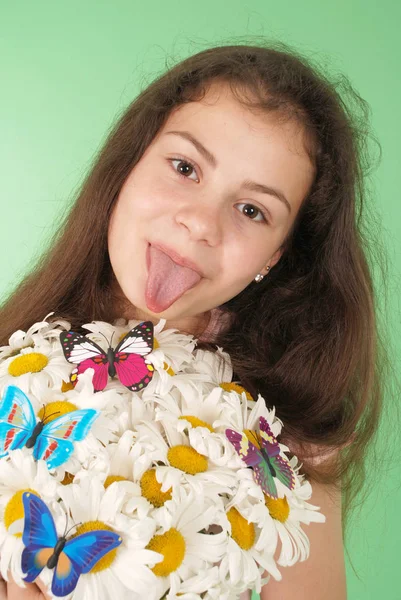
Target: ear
274	260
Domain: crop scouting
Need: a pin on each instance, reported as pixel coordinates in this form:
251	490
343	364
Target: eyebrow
247	184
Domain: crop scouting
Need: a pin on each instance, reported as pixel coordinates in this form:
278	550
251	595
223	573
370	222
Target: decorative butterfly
126	360
264	458
69	558
51	441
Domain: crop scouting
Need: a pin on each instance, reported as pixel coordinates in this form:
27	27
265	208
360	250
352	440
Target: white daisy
287	514
246	560
19	473
172	349
131	411
36	368
193	588
216	365
126	567
217	370
41	330
186	549
181	462
240	413
119	464
190	410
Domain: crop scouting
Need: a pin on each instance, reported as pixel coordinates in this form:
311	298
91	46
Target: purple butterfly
126	360
263	456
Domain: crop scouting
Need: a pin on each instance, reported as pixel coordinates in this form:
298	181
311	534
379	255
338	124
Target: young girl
227	201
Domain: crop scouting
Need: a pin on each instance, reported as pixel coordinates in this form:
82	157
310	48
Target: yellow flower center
33	362
68	478
151	489
66	386
112	478
108	558
53	410
242	531
172	546
15	509
235	387
252	437
279	509
187	459
195	422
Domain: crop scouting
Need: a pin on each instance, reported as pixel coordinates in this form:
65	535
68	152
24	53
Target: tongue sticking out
167	281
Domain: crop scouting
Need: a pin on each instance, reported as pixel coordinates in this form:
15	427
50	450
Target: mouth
177	258
167	280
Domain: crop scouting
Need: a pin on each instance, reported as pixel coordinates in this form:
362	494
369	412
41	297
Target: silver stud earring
259	276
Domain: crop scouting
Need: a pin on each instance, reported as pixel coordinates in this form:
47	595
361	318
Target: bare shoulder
322	575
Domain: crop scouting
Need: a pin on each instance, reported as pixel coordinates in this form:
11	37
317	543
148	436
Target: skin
204	213
33	591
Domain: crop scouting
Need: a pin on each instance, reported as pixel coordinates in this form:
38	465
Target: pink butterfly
126	360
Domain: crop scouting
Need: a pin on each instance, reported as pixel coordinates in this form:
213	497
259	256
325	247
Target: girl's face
207	212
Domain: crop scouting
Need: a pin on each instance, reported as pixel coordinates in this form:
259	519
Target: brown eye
251	211
188	166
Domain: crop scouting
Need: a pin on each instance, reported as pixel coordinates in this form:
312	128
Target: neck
194	325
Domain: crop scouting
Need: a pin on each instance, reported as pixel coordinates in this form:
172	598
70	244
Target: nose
203	220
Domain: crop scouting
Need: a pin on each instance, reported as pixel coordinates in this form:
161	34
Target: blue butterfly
52	441
69	558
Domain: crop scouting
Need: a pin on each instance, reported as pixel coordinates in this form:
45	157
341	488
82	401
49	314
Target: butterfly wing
80	350
268	440
100	366
17	420
54	444
249	453
254	458
138	341
79	555
88	548
77	348
280	466
65	576
132	369
39	528
39	536
33	559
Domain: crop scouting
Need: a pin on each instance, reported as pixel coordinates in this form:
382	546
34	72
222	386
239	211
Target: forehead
220	114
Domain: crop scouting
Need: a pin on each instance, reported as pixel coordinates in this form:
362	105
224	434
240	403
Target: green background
69	68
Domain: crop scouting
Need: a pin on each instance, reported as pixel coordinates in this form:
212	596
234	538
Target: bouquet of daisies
139	469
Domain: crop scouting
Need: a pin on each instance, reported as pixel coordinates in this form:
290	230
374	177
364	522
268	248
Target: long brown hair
307	338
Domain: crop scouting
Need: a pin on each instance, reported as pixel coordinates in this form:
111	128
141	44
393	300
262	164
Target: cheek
115	223
121	233
243	262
